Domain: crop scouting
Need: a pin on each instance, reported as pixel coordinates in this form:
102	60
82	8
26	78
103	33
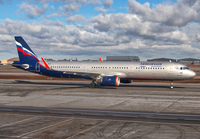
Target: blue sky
97	28
10	9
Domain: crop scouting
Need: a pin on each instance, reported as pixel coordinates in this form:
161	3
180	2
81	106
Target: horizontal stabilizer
24	66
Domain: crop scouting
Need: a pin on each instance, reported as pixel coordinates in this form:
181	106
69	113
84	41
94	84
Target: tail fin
100	59
24	51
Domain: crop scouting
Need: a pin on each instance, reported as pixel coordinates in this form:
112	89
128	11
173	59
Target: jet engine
110	81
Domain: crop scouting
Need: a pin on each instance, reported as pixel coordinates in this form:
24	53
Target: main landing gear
171	85
93	84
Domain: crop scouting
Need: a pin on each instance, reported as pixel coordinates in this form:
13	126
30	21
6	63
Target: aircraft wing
94	75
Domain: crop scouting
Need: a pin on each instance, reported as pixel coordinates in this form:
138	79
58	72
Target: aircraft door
37	67
84	68
171	71
131	71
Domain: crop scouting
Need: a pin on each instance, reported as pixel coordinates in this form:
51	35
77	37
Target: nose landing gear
171	85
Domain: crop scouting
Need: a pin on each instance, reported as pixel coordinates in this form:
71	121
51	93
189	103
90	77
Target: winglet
45	63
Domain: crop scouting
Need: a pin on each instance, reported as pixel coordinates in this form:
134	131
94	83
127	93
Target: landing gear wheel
92	85
171	85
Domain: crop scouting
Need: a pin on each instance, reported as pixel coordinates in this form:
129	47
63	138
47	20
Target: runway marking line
86	130
31	132
137	121
19	121
104	119
118	104
36	115
174	102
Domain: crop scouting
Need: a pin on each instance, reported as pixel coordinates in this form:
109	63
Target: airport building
185	61
4	62
9	61
161	59
49	59
189	61
122	58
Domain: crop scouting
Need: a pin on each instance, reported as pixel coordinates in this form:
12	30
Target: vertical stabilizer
24	51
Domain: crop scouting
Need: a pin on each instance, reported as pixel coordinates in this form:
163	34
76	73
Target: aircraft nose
192	74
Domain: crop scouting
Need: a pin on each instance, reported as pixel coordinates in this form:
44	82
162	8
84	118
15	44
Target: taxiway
67	109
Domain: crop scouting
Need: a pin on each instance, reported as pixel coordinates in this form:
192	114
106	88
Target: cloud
101	9
31	10
19	28
95	2
107	4
129	25
76	18
71	6
147	32
126	34
105	7
169	14
5	1
136	34
6	38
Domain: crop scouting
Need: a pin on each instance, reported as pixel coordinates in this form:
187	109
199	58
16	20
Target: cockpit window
184	68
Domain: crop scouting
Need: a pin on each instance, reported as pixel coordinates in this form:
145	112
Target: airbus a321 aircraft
106	73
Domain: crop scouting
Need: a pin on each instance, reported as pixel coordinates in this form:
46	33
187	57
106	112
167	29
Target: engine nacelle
110	80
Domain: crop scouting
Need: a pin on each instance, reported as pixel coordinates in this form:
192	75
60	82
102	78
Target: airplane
107	73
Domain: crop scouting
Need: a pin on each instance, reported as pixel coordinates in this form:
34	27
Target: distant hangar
9	61
161	59
122	58
188	61
185	61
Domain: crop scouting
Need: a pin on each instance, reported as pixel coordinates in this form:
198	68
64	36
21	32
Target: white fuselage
127	70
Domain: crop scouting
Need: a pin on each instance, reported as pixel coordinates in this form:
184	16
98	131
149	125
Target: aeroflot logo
24	50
